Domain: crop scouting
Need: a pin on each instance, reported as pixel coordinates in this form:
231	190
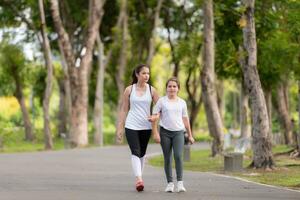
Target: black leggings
138	141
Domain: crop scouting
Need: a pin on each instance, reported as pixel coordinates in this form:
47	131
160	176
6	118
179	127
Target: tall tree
153	36
78	75
47	54
244	113
262	147
284	114
99	100
298	135
13	68
123	54
213	116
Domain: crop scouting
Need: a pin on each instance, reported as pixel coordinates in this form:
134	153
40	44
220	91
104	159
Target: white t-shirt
139	111
171	113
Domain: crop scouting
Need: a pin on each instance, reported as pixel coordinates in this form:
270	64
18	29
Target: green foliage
228	39
278	57
12	66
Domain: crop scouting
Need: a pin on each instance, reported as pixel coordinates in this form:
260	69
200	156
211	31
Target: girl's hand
152	118
191	139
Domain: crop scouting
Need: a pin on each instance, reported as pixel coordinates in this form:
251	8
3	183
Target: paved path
105	173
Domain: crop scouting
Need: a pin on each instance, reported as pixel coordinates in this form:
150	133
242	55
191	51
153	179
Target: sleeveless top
139	110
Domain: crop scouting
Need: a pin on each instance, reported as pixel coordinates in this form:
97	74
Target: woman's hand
119	137
156	137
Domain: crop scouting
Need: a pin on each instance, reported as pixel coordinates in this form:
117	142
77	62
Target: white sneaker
170	187
180	187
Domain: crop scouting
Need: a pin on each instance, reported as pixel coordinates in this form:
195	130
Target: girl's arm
123	113
186	123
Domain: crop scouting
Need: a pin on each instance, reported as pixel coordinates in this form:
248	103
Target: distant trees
215	124
203	46
78	74
13	76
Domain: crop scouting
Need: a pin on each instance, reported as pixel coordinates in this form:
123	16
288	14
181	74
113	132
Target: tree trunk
235	107
244	113
284	114
173	54
213	116
47	54
67	112
220	97
268	96
79	75
20	97
194	95
99	99
62	115
123	56
244	106
262	147
152	39
298	135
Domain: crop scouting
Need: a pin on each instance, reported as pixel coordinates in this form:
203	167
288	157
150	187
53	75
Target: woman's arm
155	133
187	126
154	94
123	113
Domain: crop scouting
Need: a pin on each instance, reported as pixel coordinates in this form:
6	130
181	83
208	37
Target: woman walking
135	117
174	121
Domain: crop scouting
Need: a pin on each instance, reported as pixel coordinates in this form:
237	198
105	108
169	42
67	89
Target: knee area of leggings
178	157
137	153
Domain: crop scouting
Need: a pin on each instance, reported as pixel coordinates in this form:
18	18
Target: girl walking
135	117
174	121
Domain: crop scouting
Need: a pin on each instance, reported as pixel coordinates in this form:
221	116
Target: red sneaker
139	186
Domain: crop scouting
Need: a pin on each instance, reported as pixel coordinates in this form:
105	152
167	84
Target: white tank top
139	110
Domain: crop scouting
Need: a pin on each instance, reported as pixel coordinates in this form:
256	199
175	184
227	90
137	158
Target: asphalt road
105	173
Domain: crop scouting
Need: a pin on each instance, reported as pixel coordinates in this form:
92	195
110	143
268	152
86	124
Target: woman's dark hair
174	79
137	70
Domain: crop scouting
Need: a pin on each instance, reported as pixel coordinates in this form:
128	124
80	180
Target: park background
64	66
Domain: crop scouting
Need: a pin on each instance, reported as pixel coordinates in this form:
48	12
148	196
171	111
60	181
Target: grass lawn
286	174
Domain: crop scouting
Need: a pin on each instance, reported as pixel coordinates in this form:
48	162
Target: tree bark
29	136
67	112
152	39
62	113
298	135
262	147
213	116
244	113
47	54
244	106
78	75
220	96
284	114
99	99
123	56
194	95
268	96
